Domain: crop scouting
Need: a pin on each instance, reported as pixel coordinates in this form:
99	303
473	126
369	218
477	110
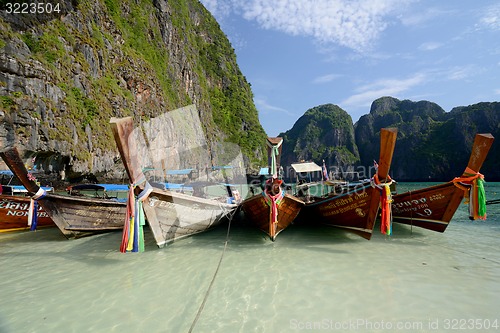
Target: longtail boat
272	210
433	207
74	216
355	208
16	210
171	215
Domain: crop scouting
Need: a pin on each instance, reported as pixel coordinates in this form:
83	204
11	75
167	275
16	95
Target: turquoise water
310	279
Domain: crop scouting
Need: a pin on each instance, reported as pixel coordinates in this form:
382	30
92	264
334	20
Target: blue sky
298	54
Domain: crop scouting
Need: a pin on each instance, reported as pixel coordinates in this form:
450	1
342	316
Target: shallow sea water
309	279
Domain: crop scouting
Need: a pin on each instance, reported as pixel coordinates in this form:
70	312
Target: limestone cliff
432	145
64	75
325	133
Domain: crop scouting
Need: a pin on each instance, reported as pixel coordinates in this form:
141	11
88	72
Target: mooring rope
202	306
492	202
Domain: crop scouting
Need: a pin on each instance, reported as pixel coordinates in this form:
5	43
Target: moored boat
355	208
15	212
433	207
74	216
171	214
272	210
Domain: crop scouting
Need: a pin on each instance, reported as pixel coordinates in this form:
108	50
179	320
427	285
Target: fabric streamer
481	198
386	215
274	153
273	201
133	232
128	217
475	192
385	204
33	210
325	171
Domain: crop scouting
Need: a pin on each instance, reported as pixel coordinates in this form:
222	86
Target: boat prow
355	209
171	215
433	207
75	217
272	210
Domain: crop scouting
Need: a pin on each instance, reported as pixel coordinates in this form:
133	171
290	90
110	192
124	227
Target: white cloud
263	105
219	9
419	18
326	78
463	72
430	46
490	18
386	87
353	24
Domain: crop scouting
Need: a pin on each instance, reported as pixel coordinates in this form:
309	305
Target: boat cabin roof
306	167
264	171
97	187
170	186
179	172
6	173
222	167
21	189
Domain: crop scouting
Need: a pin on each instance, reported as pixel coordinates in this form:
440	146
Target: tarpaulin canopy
306	167
22	189
171	186
264	171
97	187
179	172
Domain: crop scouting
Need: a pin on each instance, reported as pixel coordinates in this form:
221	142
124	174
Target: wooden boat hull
258	212
172	216
14	214
430	208
433	207
355	210
74	216
79	216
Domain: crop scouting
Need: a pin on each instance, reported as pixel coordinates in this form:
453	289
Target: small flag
325	172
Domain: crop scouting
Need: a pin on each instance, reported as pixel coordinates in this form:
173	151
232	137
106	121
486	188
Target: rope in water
492	202
202	306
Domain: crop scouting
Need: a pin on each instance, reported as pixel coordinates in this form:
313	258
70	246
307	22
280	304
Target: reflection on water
310	279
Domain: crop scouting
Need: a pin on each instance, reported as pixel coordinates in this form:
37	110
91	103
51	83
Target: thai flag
325	172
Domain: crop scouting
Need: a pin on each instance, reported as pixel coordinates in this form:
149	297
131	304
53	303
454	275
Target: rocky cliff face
64	75
324	132
414	121
432	144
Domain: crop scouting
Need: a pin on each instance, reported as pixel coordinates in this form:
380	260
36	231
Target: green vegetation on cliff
325	133
116	58
432	144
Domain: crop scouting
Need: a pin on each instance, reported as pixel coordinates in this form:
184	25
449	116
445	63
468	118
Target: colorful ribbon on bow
33	210
475	193
385	204
273	201
133	233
